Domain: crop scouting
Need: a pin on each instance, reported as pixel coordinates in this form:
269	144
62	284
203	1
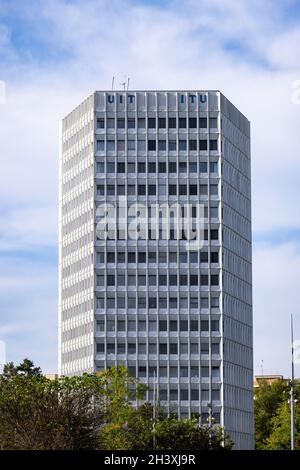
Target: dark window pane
172	122
151	123
192	123
151	145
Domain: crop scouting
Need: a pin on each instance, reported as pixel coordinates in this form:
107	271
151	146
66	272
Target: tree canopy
92	411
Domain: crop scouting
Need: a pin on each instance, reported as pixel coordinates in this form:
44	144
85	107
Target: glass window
100	167
152	190
203	256
213	144
110	166
162	145
121	167
192	123
182	167
214	234
172	122
131	190
142	190
203	123
161	123
203	144
141	123
121	302
100	123
204	373
152	257
131	123
214	279
100	145
121	190
151	167
131	280
100	347
213	167
110	279
182	122
121	348
110	257
100	190
193	167
182	145
162	167
214	257
203	189
131	302
131	145
172	145
172	167
163	348
151	123
203	167
141	167
121	123
151	145
172	190
213	122
131	348
141	145
193	190
110	123
110	145
192	144
110	189
214	189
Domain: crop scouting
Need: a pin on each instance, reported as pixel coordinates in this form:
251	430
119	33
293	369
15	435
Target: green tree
280	437
37	413
26	367
267	400
186	434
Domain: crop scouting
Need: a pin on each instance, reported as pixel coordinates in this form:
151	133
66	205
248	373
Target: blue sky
54	53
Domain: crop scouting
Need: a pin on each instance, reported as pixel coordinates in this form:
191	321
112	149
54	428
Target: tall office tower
176	315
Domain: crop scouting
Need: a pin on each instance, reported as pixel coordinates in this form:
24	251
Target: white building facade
176	316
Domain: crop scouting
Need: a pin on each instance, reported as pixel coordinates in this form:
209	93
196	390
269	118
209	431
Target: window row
160	145
141	257
160	189
152	167
160	280
162	302
160	123
153	325
163	349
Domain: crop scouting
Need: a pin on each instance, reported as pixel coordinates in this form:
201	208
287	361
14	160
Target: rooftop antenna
262	367
128	79
113	83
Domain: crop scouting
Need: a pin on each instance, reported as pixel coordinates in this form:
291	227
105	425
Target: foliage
272	414
37	413
280	437
93	411
188	435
